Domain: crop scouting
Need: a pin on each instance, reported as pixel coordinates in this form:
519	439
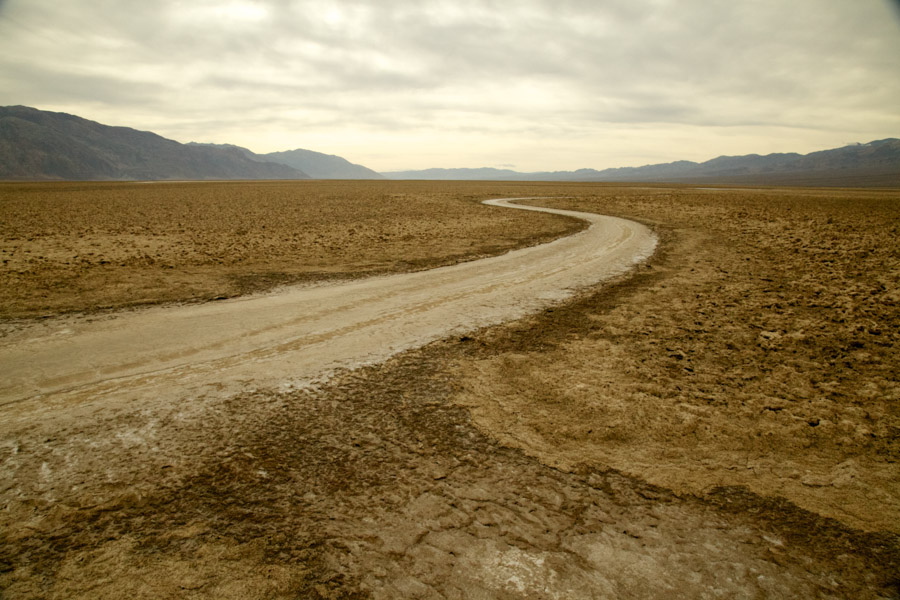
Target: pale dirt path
293	337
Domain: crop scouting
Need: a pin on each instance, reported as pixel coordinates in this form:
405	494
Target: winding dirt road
298	335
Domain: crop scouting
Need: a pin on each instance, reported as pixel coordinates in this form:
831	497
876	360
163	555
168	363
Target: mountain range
42	145
315	164
321	166
875	164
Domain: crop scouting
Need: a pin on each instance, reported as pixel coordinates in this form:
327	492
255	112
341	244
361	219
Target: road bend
300	334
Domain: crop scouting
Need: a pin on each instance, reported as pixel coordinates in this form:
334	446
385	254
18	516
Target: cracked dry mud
390	482
376	485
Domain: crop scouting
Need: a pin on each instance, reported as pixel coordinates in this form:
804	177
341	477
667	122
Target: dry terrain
758	348
722	422
81	247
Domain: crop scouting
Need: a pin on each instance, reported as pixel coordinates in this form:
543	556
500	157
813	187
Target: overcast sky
526	84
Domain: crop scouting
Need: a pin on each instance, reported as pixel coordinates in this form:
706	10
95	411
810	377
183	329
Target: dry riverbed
721	423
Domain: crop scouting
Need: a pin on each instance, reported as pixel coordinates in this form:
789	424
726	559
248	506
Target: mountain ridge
874	164
321	166
44	145
317	165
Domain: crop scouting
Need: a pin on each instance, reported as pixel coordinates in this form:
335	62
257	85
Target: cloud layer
398	84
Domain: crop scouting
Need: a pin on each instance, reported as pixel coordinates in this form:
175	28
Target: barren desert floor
85	247
721	421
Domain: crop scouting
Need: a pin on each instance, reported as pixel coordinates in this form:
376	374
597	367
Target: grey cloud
45	85
464	64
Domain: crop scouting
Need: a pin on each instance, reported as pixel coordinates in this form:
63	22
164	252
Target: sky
531	85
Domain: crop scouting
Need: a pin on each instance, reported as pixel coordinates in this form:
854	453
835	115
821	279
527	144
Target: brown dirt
85	246
427	476
757	348
376	485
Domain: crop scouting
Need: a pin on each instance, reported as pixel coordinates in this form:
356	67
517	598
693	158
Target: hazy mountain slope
481	174
37	144
658	172
321	166
874	164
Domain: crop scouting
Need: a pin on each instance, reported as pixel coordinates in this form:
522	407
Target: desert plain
721	421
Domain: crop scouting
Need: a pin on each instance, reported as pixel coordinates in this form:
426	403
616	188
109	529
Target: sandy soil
83	247
758	349
427	476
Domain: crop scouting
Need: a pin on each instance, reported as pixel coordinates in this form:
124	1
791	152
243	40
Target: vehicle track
300	334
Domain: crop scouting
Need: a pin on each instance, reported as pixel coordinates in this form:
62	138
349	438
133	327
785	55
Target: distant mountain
321	166
36	144
491	174
876	164
315	164
480	174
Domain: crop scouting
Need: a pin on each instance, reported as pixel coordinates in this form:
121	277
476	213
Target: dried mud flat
721	423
